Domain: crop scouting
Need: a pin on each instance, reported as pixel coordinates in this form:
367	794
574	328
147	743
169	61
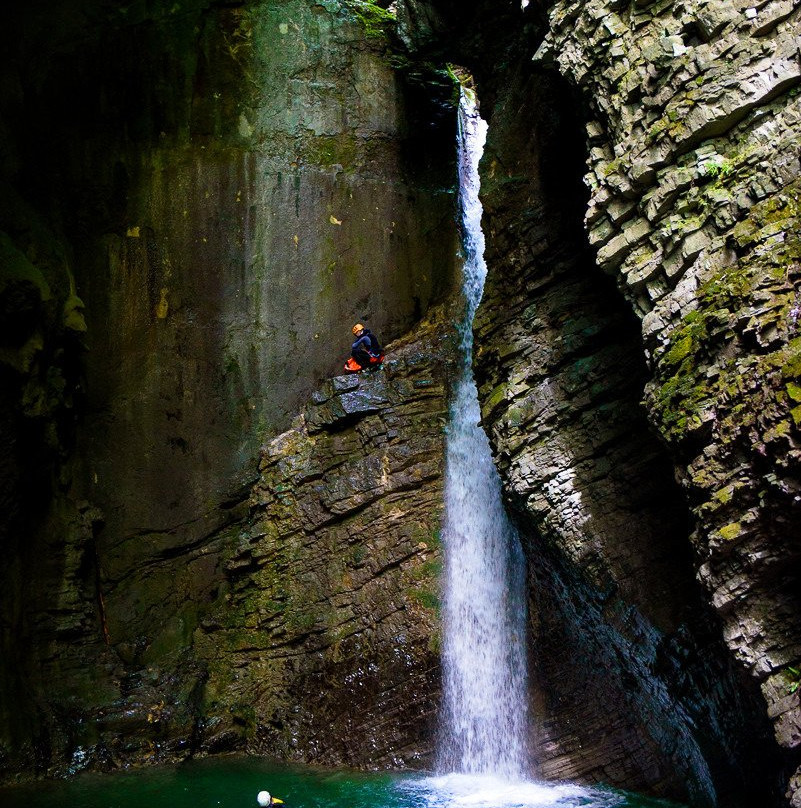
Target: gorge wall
198	201
210	547
672	277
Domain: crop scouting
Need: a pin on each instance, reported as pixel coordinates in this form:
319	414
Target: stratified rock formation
325	644
691	118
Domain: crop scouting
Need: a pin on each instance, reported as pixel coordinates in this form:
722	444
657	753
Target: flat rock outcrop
325	646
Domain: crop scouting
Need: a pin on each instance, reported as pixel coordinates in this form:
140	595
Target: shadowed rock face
237	186
307	629
197	202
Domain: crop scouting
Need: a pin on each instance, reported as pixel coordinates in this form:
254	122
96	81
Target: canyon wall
640	326
198	201
214	542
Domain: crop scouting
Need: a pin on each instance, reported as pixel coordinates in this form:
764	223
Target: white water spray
485	700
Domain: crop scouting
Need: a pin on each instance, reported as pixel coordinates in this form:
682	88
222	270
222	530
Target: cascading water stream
484	659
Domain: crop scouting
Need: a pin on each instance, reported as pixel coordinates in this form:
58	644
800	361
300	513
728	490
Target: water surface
234	782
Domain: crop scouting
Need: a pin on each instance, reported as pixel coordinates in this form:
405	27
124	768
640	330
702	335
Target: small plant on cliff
715	169
795	679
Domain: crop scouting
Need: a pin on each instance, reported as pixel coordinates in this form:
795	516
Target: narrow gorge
217	542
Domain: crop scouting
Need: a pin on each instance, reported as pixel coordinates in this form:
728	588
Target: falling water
485	704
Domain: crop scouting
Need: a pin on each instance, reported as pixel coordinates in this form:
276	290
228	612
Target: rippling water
233	782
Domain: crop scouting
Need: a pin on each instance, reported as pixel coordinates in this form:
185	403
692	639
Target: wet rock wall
198	200
325	644
646	697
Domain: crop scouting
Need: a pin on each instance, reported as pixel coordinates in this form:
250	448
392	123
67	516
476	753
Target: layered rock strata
307	628
646	698
326	644
694	188
691	116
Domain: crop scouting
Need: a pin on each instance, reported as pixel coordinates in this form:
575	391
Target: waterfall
484	659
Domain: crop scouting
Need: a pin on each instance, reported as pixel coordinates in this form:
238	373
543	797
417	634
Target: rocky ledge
324	646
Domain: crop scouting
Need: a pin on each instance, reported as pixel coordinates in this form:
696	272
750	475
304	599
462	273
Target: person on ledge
365	352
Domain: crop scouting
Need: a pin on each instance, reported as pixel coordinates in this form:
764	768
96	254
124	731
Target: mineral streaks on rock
325	648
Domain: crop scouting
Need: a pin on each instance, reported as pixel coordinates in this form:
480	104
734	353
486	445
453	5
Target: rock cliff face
326	640
198	200
308	628
689	158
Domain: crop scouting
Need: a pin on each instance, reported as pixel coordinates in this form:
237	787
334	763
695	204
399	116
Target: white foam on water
488	791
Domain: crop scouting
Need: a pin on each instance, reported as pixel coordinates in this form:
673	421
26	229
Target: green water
235	782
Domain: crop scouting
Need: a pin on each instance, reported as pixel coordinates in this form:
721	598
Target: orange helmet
357	328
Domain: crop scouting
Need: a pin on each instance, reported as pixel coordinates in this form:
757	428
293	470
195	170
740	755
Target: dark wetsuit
365	346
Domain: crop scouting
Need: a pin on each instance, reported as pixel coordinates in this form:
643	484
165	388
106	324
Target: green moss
656	131
375	20
730	531
14	266
790	365
244	716
724	495
612	167
176	636
685	390
300	617
680	349
496	397
697	378
778	213
425	598
330	150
